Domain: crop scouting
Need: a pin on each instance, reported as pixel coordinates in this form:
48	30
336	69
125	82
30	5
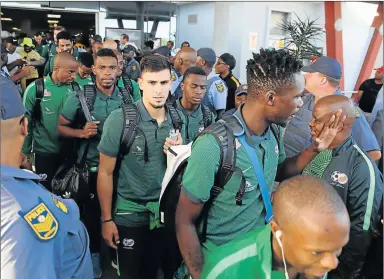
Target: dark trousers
46	166
91	214
142	252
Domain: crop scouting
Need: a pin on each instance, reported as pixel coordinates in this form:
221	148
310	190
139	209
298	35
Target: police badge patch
173	76
42	222
220	87
133	68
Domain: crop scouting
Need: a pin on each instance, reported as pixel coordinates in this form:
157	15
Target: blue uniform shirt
41	234
297	136
216	92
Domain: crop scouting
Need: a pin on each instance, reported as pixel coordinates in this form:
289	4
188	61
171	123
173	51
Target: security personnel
323	79
266	252
84	70
133	228
136	95
240	98
107	100
132	67
195	116
185	59
217	90
354	176
224	66
64	44
49	50
42	133
41	234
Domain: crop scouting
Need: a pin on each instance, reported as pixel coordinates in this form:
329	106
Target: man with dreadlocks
275	87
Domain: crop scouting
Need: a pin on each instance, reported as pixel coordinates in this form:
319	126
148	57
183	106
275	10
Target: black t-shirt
370	90
232	84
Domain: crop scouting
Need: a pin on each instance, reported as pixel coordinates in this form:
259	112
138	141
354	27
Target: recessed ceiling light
52	21
53	16
16	29
6	19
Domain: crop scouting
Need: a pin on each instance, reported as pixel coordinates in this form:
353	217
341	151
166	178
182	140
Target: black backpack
225	138
36	115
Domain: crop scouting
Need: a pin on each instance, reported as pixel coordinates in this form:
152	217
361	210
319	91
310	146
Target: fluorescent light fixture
53	16
6	19
2	14
20	5
16	29
52	21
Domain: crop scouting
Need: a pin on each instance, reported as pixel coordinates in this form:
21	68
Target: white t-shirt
12	58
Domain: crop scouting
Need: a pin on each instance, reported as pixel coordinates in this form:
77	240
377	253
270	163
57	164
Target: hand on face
329	131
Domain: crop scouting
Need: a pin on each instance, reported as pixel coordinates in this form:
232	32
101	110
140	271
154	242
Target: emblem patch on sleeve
42	222
60	205
173	76
133	68
357	112
220	87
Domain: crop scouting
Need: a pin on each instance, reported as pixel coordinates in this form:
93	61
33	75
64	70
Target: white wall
225	26
199	34
357	34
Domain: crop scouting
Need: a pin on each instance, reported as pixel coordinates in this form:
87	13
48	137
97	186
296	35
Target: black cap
229	60
242	89
326	66
97	38
11	40
163	50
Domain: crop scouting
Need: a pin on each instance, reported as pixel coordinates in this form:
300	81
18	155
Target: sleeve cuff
191	196
107	152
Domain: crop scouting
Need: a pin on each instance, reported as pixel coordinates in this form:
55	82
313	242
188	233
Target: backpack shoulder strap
131	116
84	105
126	92
207	116
75	86
226	139
39	83
90	95
276	132
175	116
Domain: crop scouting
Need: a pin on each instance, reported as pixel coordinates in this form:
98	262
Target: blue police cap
326	66
11	104
207	54
163	50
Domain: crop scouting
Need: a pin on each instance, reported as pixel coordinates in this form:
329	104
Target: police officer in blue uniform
41	234
323	79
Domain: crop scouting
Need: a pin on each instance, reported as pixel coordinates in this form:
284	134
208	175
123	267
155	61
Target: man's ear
274	226
270	97
140	82
94	69
24	127
182	86
340	125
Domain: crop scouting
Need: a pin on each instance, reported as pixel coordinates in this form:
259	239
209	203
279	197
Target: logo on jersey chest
339	178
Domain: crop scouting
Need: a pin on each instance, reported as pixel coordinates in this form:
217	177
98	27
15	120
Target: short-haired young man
195	115
64	44
42	138
274	96
133	225
106	100
84	71
310	227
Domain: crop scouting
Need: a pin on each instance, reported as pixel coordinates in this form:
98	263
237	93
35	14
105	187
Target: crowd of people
282	175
